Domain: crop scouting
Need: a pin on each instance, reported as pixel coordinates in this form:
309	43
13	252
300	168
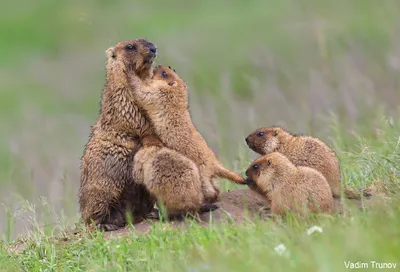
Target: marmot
287	187
300	150
164	98
303	151
170	177
107	189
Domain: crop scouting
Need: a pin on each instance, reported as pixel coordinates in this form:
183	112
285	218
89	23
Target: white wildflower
117	246
281	250
314	229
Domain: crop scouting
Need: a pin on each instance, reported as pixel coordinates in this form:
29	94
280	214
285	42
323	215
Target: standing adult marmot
287	187
170	177
107	189
164	98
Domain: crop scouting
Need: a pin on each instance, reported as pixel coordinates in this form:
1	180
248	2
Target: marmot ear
111	52
172	83
275	133
171	68
268	162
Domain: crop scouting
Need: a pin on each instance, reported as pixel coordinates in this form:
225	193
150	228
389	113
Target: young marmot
300	150
170	177
107	189
287	187
164	98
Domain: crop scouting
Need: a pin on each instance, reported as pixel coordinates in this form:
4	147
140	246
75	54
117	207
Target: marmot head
267	140
268	172
169	75
135	55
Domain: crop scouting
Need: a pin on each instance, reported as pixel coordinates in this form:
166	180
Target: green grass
361	237
325	68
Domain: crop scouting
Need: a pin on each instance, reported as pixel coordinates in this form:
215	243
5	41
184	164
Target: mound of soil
233	206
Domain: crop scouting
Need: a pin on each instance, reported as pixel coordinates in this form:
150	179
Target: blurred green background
326	68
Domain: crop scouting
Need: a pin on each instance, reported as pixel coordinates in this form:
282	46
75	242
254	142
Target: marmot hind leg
210	192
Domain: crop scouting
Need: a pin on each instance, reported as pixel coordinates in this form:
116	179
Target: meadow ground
326	68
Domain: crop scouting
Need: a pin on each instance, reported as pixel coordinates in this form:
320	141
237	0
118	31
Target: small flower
314	229
281	250
117	246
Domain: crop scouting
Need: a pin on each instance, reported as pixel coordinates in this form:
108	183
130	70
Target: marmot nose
153	48
247	140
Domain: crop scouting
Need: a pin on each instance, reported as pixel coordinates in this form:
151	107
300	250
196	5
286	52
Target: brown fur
165	101
300	150
170	177
107	188
287	187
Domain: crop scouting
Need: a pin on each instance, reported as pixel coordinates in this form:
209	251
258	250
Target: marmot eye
260	134
164	74
130	47
256	166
